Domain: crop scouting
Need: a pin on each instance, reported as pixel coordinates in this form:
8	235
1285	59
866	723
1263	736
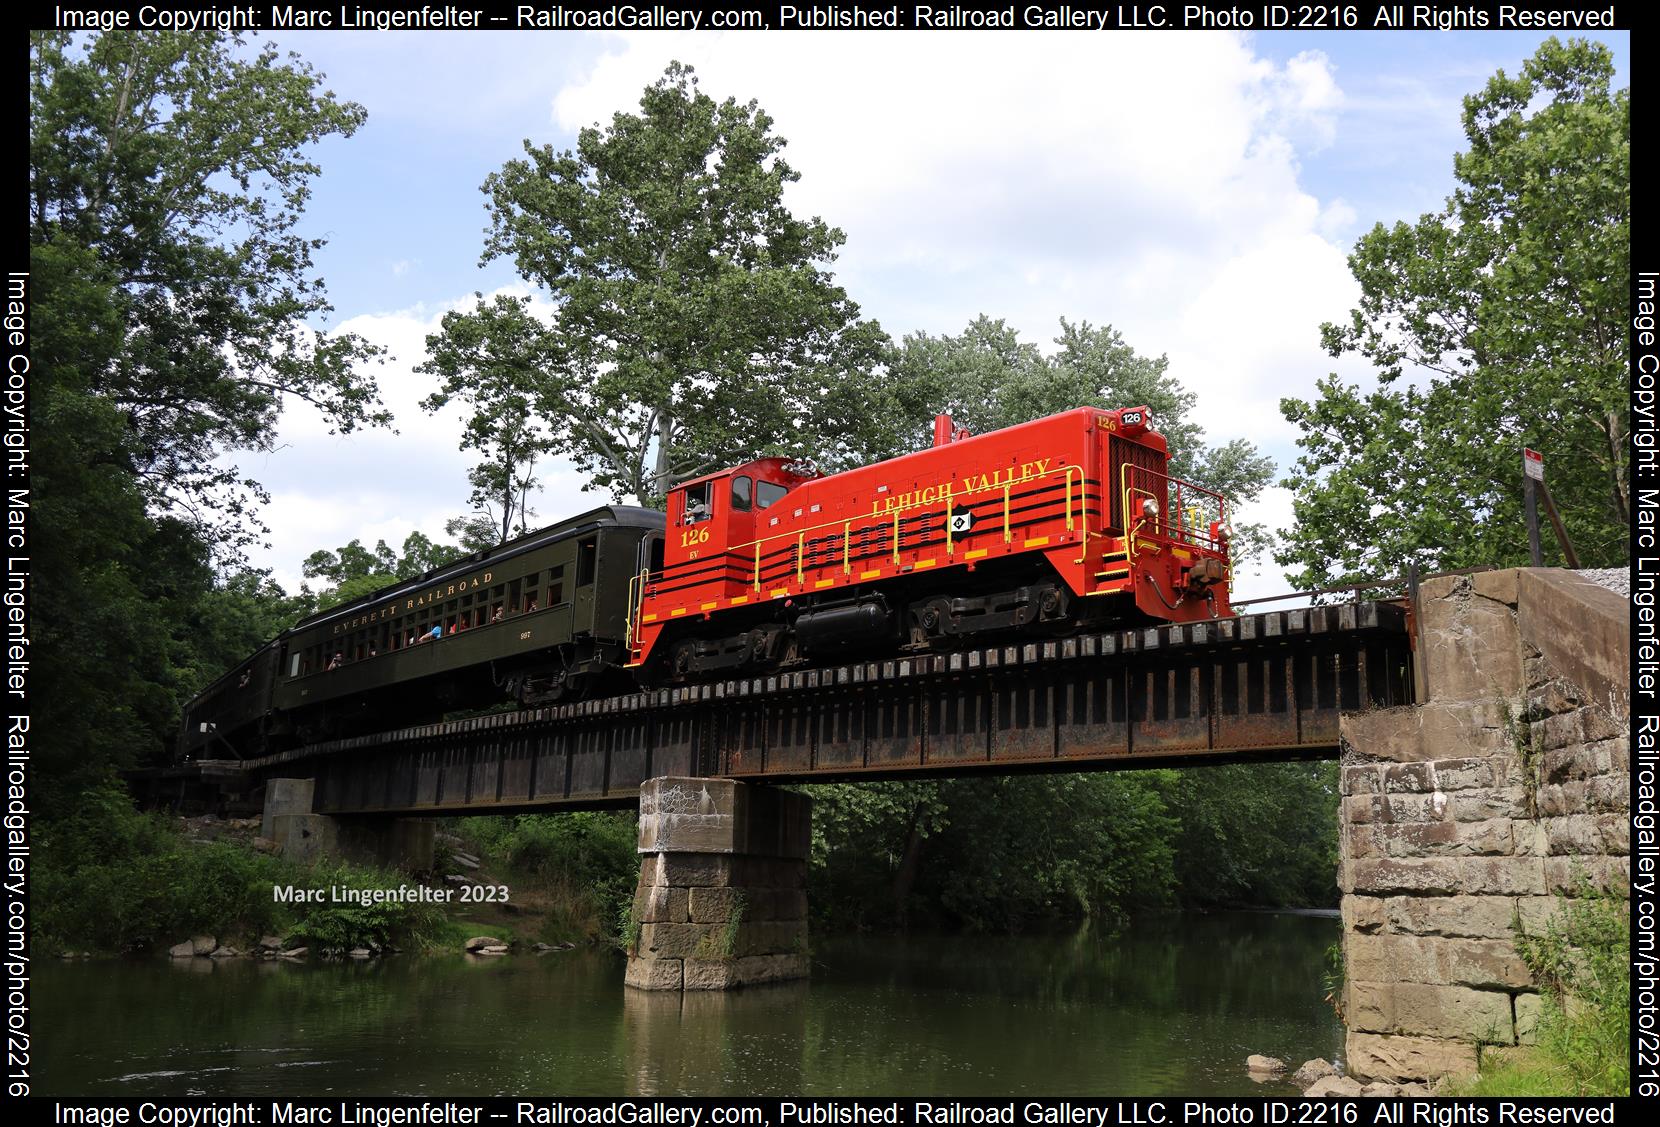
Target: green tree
1259	833
495	359
1499	322
987	378
696	324
167	177
353	571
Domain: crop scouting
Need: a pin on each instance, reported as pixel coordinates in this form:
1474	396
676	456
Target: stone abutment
300	835
1466	817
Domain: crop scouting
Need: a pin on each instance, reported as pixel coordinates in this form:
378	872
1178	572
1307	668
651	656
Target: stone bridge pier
722	898
1466	816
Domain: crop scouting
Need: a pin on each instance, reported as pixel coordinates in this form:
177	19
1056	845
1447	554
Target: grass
1525	1072
1582	964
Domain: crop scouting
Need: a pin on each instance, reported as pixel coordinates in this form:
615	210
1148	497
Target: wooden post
1568	552
1533	480
1531	494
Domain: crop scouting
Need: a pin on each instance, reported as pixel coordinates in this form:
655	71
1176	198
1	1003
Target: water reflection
1170	1007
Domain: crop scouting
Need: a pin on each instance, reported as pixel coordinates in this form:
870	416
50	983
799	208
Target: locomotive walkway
1268	685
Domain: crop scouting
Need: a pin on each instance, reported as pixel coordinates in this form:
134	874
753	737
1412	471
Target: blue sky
1199	191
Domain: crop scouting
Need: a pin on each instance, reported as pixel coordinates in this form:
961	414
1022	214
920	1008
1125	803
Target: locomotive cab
714	516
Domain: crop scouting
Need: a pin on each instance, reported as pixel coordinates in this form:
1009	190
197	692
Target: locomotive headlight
1150	509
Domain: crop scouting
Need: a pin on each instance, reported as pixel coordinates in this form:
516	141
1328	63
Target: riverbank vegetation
1582	962
109	879
982	854
576	871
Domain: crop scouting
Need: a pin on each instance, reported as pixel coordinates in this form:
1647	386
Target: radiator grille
1121	451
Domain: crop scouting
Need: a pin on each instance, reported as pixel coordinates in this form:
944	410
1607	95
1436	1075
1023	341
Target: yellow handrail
847	547
636	600
949	498
1083	510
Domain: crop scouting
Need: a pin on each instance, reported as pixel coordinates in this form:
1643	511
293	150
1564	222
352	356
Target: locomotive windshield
766	493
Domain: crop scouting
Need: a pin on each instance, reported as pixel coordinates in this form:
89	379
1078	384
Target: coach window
741	488
294	666
556	585
587	559
767	494
696	504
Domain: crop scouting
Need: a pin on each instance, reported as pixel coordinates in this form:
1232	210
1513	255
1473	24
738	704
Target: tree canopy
986	377
1499	322
168	174
167	177
695	320
353	570
493	360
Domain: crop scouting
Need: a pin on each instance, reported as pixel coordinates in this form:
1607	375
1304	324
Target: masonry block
1583	629
1363	914
1474	917
1427	1010
717	905
394	843
1529	1008
654	974
1487	964
1563	875
1431	839
1470	646
655	903
1371	1056
285	796
721	901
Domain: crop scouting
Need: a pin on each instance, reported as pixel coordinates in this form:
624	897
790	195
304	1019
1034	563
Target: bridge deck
1254	687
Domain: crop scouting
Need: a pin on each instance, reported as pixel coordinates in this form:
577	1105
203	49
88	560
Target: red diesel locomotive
1041	527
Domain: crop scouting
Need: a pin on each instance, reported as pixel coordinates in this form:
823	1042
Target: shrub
584	864
1583	962
109	878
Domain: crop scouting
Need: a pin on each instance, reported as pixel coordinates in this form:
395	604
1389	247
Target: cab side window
741	487
697	504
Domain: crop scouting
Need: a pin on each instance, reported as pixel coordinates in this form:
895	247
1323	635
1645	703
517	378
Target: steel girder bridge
1255	687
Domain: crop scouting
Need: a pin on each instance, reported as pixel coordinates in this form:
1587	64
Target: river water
1172	1006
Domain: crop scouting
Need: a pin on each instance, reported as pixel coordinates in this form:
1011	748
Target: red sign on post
1533	464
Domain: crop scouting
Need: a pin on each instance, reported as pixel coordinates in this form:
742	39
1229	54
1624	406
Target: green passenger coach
538	619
